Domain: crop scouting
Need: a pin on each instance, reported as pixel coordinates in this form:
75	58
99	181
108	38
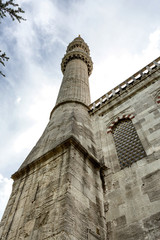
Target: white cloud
5	190
18	100
153	48
39	112
117	67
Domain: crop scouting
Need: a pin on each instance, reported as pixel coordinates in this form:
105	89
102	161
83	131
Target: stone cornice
70	141
77	55
126	86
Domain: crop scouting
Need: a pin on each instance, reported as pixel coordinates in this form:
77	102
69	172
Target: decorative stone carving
77	49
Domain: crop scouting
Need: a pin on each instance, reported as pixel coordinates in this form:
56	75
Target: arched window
128	145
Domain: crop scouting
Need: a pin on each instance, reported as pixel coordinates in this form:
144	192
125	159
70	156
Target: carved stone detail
77	55
77	49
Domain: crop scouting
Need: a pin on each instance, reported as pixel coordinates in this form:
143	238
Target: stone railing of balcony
140	75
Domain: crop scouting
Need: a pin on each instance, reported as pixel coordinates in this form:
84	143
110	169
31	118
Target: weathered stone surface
152	226
132	232
60	199
131	195
151	185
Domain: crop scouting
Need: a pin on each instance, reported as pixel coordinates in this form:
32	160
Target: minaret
76	67
57	191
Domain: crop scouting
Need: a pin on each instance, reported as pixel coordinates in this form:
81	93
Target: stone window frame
115	160
124	116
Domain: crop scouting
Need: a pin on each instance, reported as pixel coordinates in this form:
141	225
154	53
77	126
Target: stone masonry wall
59	198
132	195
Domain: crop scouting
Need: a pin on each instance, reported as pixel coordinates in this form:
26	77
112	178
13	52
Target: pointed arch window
128	145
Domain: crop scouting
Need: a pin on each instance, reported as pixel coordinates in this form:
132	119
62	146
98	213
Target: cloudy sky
123	36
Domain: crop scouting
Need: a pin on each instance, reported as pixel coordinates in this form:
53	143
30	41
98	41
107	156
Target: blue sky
123	36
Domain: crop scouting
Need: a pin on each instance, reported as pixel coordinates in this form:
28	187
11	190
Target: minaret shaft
75	85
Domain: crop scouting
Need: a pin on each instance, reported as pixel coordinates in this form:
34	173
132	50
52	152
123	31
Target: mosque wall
132	193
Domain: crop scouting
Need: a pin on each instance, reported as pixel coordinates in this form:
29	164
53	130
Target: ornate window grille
128	145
